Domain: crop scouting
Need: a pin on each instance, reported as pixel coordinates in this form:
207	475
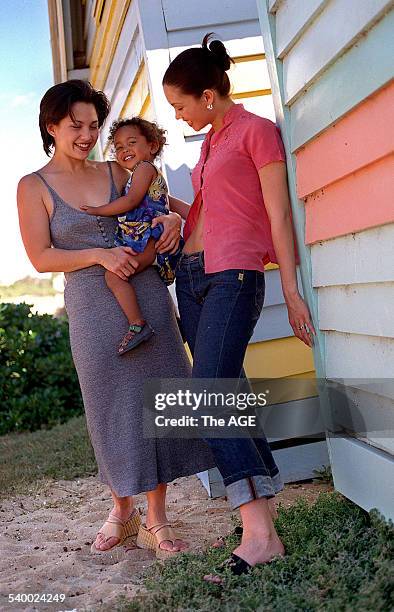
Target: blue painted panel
364	69
275	70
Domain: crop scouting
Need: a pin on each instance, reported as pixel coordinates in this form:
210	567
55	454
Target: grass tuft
337	558
63	452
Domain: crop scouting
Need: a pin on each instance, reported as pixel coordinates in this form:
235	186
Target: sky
25	75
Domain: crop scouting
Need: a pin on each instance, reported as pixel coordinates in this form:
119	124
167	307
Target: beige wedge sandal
152	538
114	527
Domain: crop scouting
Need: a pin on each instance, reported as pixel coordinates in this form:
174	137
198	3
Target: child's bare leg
126	296
124	292
146	258
139	330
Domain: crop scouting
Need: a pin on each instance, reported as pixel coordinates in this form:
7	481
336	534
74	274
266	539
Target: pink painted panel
361	200
361	137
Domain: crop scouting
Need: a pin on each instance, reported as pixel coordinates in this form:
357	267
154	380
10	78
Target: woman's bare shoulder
121	176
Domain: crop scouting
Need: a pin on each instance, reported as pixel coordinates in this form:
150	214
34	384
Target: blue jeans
218	314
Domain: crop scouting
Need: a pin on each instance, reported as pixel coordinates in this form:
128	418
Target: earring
210	106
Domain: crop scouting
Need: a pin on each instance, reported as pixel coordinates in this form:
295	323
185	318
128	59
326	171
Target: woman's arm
34	226
273	182
169	240
179	206
142	179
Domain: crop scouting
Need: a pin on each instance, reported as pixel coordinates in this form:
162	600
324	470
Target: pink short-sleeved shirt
237	233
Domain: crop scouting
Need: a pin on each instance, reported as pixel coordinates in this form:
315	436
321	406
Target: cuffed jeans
218	314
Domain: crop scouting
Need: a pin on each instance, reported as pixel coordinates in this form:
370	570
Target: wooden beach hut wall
331	69
127	46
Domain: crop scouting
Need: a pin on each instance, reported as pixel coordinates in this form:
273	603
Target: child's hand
90	210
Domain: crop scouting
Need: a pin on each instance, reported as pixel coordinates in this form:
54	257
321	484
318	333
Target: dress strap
114	190
51	189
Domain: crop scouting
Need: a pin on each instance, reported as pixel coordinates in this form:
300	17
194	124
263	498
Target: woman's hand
300	319
169	240
119	260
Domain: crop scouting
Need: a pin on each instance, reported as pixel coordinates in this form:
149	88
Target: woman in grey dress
59	237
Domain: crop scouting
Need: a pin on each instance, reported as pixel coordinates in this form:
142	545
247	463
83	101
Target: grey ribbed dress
112	385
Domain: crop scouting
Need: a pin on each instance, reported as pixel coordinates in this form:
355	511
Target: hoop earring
210	106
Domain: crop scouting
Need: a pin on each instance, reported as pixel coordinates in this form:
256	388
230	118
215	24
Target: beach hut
331	70
124	47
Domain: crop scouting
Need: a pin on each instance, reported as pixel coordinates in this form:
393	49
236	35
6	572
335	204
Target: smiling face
132	147
190	109
76	135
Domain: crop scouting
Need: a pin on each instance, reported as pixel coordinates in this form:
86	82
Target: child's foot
135	335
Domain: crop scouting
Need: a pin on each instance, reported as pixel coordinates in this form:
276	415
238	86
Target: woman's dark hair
149	129
58	101
201	68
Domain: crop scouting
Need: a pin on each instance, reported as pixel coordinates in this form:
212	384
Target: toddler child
137	143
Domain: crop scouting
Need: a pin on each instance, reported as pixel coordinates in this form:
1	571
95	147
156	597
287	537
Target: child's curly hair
149	129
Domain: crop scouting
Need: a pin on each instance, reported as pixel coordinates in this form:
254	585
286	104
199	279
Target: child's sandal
135	335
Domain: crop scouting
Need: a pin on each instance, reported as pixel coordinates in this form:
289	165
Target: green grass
27	459
338	558
27	286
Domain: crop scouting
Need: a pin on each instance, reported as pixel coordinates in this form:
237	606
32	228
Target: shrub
38	383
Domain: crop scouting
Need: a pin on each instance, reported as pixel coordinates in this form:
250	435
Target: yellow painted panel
139	92
250	75
106	40
278	358
147	111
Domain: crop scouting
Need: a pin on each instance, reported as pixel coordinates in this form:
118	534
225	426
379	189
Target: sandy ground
45	541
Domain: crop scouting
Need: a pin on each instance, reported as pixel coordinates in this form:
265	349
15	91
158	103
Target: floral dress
134	228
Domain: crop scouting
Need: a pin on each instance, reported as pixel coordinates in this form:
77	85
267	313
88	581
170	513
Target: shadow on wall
179	182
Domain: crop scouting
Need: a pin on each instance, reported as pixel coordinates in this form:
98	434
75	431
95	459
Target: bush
38	383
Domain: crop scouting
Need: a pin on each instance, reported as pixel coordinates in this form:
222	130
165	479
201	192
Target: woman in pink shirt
240	220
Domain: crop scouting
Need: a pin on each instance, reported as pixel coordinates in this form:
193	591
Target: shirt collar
233	112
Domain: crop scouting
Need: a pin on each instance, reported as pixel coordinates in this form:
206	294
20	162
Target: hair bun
218	51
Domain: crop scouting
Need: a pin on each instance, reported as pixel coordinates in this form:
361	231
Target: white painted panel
365	415
236	47
126	74
365	257
197	13
359	309
249	75
363	474
292	19
334	94
274	321
318	48
294	419
128	43
300	462
357	356
273	287
260	105
224	31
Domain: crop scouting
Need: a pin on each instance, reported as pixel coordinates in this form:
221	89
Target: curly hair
152	132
